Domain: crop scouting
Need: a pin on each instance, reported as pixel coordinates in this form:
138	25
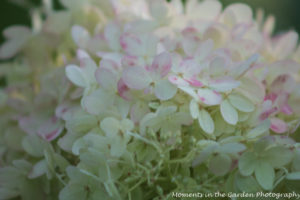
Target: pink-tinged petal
283	83
209	97
130	61
50	129
267	113
131	44
123	90
136	78
194	82
80	36
272	97
176	80
61	110
278	126
162	64
224	85
286	109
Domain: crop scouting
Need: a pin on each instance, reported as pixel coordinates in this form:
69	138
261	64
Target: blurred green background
287	12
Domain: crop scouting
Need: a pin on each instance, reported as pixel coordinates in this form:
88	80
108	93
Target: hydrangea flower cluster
137	99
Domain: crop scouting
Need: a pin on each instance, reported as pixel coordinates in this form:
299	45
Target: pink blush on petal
278	126
286	109
194	82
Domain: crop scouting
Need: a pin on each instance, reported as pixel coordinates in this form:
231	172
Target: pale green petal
74	191
246	183
241	103
229	113
247	163
293	176
220	164
259	130
194	109
206	122
110	126
39	169
164	90
278	156
265	175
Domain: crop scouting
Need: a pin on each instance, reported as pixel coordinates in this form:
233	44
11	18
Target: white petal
110	126
97	102
107	78
10	48
75	75
241	12
206	10
229	113
136	77
224	85
206	122
80	36
164	90
209	97
194	109
112	34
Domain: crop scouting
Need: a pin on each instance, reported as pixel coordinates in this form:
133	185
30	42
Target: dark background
287	12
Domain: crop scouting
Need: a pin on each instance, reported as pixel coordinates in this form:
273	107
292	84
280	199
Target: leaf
206	122
247	163
293	176
229	113
265	175
220	164
241	103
